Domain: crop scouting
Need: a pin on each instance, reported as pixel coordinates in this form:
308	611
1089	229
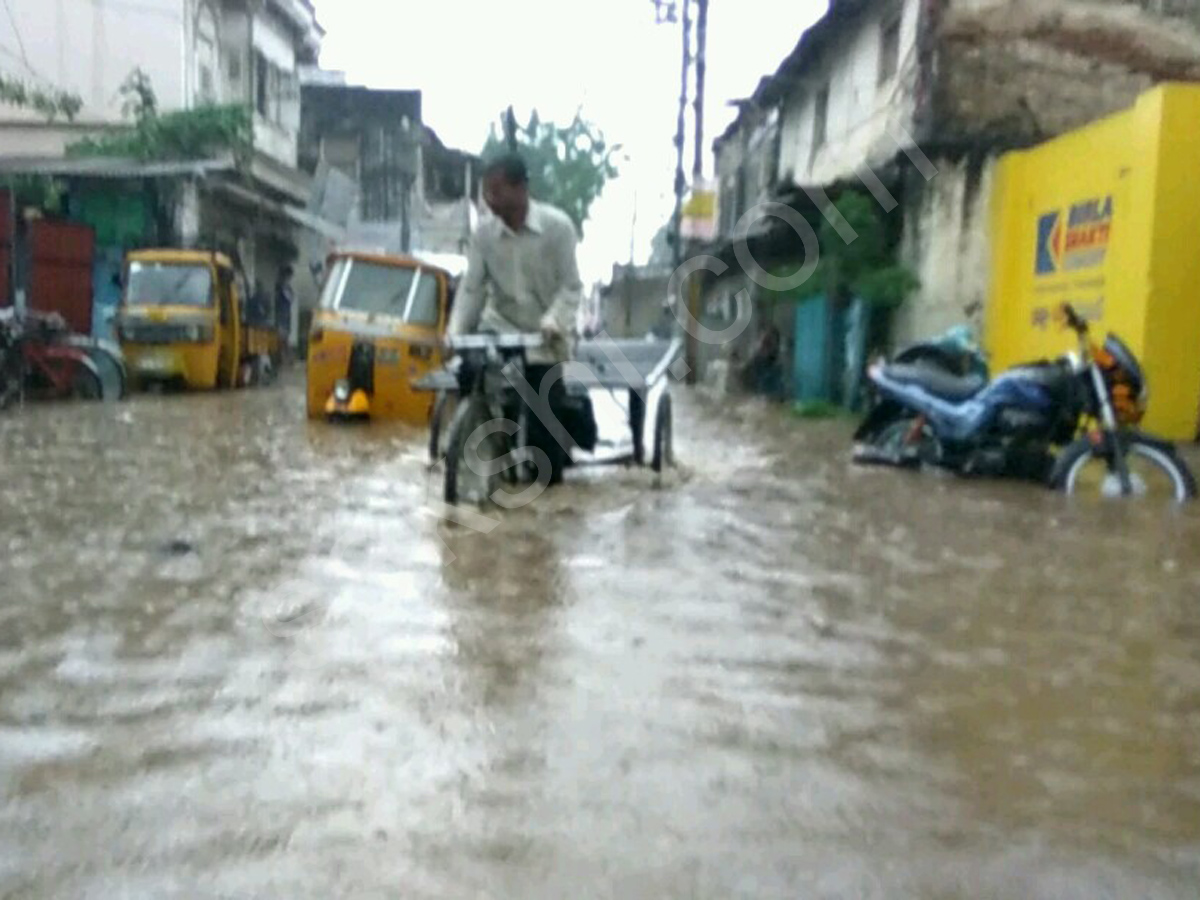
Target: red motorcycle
37	359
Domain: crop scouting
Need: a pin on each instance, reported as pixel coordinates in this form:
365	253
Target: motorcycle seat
938	382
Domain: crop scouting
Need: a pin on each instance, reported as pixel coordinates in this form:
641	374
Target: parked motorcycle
1071	423
956	351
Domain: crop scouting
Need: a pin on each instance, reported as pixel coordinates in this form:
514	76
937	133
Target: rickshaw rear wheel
664	453
637	425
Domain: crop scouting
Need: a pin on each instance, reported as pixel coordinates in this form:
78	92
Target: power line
146	8
136	6
17	31
38	76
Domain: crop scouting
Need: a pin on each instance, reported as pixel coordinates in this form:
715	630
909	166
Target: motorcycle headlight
341	391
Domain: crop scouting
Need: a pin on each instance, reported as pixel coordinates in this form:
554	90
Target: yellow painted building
1108	219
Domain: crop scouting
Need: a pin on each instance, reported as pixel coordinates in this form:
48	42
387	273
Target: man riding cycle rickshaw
522	278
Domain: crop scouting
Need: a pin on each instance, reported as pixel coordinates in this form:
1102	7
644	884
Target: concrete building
195	53
635	302
414	193
914	100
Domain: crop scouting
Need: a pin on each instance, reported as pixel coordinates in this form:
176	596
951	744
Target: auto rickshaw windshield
168	284
406	293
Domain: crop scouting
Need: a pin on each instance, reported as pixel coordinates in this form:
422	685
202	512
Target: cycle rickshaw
480	421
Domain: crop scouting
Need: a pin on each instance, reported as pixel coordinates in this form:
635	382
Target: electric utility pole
665	12
701	72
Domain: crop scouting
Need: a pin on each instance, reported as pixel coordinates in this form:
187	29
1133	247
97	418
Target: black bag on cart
577	416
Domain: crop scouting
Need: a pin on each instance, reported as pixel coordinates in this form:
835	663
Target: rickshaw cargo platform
482	384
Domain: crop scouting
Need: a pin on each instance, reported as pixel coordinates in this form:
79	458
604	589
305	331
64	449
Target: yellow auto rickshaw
183	320
377	330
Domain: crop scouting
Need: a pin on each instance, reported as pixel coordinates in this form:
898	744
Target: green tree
865	267
568	166
188	134
49	102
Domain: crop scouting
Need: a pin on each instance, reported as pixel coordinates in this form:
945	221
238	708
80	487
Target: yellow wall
1108	219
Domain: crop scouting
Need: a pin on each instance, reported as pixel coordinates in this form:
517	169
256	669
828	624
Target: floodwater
238	658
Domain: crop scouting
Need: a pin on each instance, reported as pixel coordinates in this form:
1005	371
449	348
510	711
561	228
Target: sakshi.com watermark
495	428
535	401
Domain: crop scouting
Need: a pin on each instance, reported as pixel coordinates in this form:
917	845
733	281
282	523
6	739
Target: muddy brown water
239	659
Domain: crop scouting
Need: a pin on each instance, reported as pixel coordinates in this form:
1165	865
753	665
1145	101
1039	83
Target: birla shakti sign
1072	242
1075	240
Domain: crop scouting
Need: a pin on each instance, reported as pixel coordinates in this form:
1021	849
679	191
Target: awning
293	214
112	167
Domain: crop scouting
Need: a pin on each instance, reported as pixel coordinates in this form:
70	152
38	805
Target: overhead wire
144	7
17	33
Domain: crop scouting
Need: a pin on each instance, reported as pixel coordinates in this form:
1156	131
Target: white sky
472	58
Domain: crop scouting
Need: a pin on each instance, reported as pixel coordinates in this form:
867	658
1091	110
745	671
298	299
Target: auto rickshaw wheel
264	370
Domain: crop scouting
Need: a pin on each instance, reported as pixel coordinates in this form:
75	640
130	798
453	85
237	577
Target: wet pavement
239	659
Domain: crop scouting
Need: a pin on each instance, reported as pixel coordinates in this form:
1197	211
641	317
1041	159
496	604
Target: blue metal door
810	376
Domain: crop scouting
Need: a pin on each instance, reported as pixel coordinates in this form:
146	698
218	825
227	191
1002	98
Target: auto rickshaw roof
179	256
395	260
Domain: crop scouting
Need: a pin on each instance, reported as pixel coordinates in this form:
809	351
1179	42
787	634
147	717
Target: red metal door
7	232
61	277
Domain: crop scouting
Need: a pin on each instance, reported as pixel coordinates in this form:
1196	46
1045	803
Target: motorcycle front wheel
1155	472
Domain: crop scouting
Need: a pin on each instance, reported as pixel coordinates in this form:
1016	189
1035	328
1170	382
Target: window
727	206
208	85
206	55
889	50
739	192
400	292
166	284
276	92
262	94
821	118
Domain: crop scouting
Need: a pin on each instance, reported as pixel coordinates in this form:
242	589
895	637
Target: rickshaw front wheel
471	454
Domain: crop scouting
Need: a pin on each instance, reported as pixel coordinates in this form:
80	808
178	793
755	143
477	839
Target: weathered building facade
413	192
194	53
914	100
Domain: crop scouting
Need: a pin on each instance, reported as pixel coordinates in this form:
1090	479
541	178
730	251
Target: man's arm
468	302
565	306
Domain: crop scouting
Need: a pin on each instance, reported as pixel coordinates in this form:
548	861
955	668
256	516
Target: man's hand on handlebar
550	331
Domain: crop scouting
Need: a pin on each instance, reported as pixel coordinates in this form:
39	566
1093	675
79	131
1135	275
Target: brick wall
1015	72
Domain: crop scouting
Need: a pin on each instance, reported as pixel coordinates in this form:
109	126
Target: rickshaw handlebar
497	341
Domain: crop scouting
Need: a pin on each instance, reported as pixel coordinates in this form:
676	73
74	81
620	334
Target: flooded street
239	659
